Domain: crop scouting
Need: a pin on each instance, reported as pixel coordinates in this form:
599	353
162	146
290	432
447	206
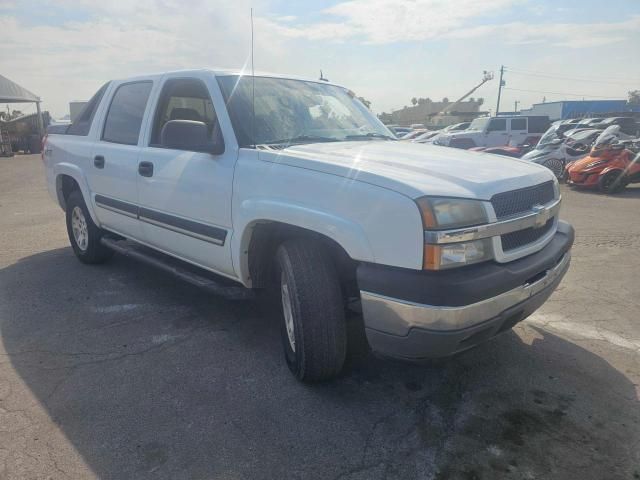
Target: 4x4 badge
542	215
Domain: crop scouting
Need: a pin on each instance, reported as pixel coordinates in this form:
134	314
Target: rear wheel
84	235
313	322
612	182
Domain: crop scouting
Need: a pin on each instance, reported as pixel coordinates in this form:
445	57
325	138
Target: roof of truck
228	72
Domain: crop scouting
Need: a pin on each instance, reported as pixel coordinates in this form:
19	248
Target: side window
518	124
184	99
124	117
497	125
82	125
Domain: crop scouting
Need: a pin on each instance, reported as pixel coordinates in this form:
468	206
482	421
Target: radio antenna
253	89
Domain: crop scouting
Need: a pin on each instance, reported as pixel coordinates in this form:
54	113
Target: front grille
513	240
522	200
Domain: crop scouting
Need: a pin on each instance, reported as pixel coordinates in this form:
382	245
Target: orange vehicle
610	167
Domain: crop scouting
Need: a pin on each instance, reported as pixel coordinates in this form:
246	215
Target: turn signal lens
438	257
428	219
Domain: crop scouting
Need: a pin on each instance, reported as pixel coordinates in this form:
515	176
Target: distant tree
414	101
471	99
480	101
634	97
366	102
3	116
445	100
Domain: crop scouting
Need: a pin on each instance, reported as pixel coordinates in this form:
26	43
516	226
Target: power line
556	93
607	79
533	74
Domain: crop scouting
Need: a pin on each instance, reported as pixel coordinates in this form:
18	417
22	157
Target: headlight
445	213
450	213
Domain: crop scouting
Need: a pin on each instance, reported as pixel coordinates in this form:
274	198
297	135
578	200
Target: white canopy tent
11	92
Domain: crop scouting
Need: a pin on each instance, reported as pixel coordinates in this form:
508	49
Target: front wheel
313	324
84	235
612	182
556	166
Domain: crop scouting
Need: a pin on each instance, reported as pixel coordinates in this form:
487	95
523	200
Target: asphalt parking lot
120	371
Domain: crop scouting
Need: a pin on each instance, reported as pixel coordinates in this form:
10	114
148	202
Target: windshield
610	135
479	124
581	134
296	111
549	136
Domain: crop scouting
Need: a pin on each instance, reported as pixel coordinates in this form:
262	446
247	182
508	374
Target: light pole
502	84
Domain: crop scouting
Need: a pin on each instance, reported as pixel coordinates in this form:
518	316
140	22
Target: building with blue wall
579	108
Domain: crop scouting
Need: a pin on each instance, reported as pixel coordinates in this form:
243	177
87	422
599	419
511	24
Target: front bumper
439	315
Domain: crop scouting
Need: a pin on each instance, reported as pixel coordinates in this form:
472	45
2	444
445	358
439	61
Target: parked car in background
426	137
414	134
610	166
628	125
497	131
457	127
513	151
314	200
400	131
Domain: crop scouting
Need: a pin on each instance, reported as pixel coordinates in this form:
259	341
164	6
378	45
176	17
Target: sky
387	51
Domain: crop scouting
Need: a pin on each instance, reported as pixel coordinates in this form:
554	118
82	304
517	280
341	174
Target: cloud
388	21
572	35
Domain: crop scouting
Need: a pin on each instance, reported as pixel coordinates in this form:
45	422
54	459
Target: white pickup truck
274	181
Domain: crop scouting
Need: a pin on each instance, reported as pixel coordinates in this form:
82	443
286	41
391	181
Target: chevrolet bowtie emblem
542	215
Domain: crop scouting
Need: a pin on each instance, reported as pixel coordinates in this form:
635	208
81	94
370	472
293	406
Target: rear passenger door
518	131
185	195
112	171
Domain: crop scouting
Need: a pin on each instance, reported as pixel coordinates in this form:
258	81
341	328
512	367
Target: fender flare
608	170
346	233
73	171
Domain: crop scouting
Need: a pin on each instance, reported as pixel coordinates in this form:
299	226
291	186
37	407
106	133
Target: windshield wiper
365	136
301	139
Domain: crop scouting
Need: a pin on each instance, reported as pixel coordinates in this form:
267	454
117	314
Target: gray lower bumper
408	330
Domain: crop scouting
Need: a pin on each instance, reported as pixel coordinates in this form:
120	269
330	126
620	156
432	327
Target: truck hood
414	169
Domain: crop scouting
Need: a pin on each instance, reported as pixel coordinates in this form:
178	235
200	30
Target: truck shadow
147	377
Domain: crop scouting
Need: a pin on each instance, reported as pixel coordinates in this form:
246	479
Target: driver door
185	196
497	133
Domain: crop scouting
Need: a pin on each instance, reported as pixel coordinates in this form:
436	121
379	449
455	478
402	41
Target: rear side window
82	125
538	124
498	125
518	124
124	118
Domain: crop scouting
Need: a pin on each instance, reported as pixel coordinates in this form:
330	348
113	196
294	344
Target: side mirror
191	135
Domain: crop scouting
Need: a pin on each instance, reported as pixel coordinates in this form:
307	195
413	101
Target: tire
313	320
611	182
85	241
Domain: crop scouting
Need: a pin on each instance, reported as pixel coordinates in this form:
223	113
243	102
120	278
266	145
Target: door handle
145	169
98	161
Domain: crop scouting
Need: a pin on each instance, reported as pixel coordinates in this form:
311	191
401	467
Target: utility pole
502	84
515	105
